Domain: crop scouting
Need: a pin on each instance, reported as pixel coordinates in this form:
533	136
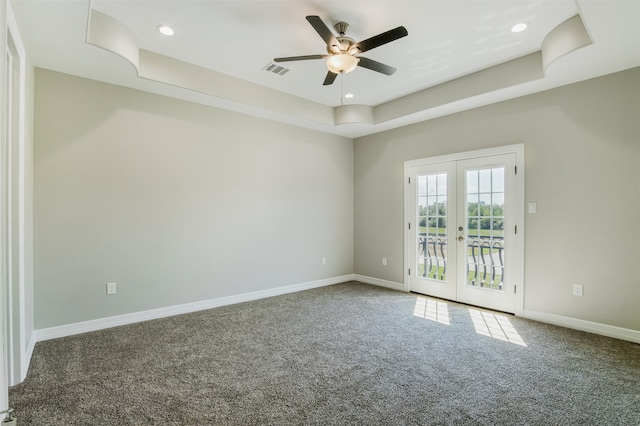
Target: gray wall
176	202
179	202
582	153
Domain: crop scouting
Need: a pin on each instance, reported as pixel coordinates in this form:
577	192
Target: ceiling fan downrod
341	28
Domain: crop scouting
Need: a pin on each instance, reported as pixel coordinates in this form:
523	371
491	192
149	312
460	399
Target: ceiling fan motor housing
344	45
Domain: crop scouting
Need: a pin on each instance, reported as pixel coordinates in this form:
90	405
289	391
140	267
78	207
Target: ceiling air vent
276	69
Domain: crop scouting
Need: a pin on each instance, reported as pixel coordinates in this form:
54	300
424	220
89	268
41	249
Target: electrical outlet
384	261
577	289
111	288
324	261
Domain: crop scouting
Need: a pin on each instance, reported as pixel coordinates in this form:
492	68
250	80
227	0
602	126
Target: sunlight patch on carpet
432	310
496	326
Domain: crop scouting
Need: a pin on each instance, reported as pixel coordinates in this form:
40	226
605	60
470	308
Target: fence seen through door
485	265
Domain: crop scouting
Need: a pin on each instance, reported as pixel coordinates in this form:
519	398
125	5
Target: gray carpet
345	354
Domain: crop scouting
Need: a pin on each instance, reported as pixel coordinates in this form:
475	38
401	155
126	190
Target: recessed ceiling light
349	95
164	29
519	27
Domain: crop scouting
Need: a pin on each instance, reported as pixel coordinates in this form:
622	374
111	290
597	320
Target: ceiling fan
342	50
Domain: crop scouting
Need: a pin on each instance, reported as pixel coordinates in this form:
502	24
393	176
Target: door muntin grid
431	235
485	217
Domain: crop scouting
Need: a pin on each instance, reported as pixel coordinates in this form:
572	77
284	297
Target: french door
462	230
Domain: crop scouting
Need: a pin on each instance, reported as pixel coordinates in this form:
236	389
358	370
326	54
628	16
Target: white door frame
15	125
14	348
518	265
4	370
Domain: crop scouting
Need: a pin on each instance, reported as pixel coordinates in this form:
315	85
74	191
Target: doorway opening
462	239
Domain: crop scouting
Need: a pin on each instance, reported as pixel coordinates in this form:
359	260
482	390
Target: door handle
461	238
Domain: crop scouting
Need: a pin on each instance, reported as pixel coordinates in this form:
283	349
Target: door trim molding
518	150
18	344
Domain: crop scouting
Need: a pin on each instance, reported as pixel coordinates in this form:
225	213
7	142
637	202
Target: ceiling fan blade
322	29
330	78
299	58
376	66
381	39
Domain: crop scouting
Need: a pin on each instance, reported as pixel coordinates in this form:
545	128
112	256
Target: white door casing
4	371
443	256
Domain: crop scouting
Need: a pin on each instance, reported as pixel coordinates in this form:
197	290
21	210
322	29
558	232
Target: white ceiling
447	40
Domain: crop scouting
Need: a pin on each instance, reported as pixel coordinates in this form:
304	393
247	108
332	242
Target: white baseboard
588	326
102	323
568	322
379	282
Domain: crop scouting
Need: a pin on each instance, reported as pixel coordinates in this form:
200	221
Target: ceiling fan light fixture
342	63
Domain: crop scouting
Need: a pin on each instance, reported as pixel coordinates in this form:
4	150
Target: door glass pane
497	180
472	182
422	187
432	226
485	181
485	228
